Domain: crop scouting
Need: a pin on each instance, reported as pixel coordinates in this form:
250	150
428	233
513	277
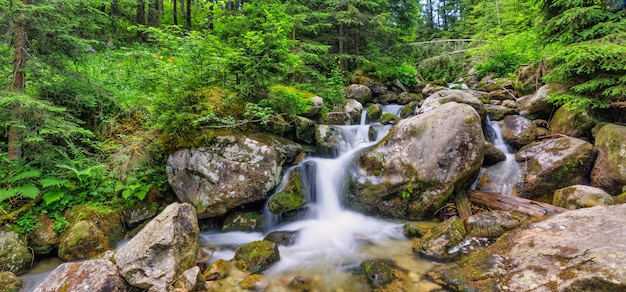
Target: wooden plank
509	203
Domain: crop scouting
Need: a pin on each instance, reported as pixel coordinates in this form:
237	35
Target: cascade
504	176
330	239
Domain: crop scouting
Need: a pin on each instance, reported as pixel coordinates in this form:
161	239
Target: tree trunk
19	82
141	17
175	12
188	14
153	14
500	201
115	11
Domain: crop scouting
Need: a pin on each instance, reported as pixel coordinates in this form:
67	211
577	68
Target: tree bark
509	203
188	14
153	14
19	83
175	12
141	17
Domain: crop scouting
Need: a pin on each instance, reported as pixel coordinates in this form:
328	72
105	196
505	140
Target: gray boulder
412	172
518	131
361	93
609	171
536	105
88	276
553	164
469	97
572	123
579	250
14	253
354	109
165	248
234	170
581	196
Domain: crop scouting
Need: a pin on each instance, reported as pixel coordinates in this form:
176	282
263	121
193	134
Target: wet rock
389	119
338	118
469	97
43	239
552	164
254	282
411	173
518	131
354	109
234	170
410	231
609	171
10	282
374	112
285	238
499	112
14	253
493	223
304	129
438	242
493	155
536	105
256	256
579	250
188	281
361	93
429	89
162	250
276	125
88	276
409	110
301	284
317	104
378	273
576	124
246	221
328	139
282	202
581	196
389	97
406	98
217	270
92	231
139	213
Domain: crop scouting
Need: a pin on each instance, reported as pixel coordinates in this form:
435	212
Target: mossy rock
374	112
245	221
254	282
285	201
410	231
437	243
15	255
389	119
10	282
285	238
217	270
256	256
378	273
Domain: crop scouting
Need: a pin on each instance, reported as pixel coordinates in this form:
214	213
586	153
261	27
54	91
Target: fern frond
34	173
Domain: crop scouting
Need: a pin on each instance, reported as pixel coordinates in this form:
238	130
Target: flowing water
504	176
331	240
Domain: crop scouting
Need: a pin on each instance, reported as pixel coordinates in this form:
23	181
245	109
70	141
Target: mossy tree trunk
19	83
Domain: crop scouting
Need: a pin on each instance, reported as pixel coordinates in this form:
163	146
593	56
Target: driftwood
462	205
509	203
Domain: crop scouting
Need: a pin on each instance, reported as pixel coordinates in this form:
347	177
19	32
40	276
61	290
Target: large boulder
609	171
572	123
536	105
469	97
92	231
553	164
361	93
44	238
234	170
14	253
412	172
88	276
581	196
579	250
10	282
165	248
518	131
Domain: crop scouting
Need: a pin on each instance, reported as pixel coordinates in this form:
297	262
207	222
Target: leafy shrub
503	55
406	73
289	100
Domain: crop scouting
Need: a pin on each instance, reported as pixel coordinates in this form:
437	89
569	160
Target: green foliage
288	100
443	67
406	73
503	55
26	222
590	54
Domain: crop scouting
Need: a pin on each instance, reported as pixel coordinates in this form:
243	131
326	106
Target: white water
504	176
332	238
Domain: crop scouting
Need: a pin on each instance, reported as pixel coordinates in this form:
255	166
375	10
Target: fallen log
504	202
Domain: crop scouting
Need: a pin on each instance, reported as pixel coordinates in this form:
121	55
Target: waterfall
504	176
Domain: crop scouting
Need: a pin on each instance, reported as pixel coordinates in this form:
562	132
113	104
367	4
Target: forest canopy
94	93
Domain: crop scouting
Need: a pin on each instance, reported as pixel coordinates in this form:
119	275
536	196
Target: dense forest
95	93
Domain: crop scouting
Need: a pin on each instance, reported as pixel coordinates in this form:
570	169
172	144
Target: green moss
285	201
469	120
256	256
